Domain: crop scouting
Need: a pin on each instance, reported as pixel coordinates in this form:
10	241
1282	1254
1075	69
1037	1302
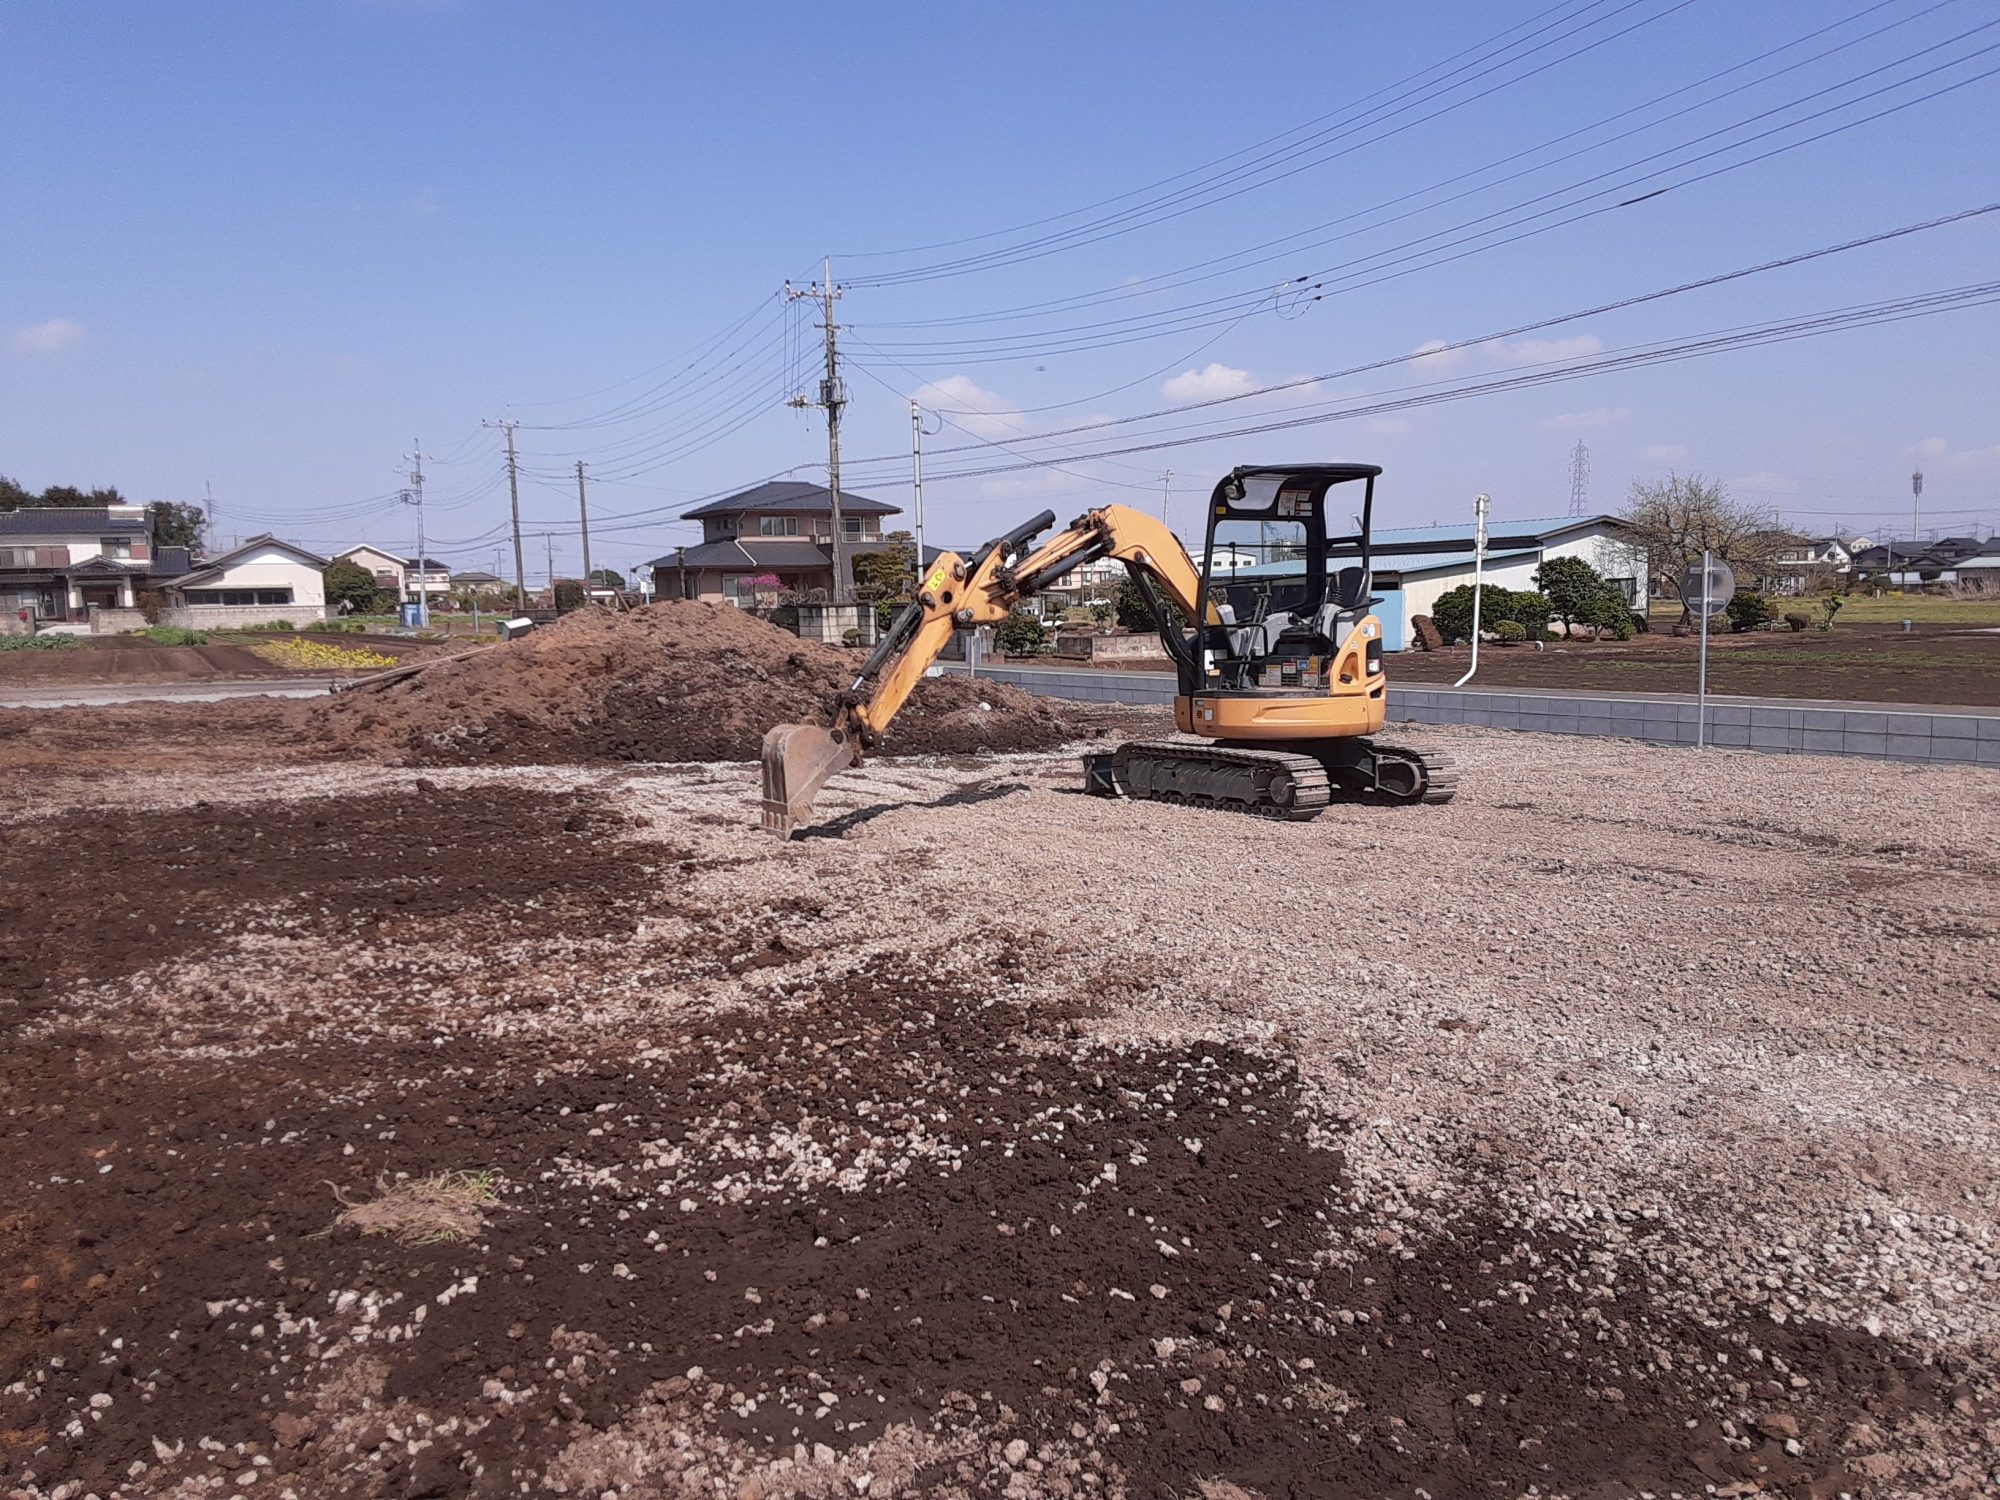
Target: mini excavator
1277	654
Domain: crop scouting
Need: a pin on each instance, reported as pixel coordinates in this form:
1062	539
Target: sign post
1710	587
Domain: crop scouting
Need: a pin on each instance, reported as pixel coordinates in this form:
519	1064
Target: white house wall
1606	552
271	568
265	567
1420	593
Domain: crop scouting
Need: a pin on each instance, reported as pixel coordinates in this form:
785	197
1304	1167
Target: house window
777	526
115	546
17	557
238	596
733	593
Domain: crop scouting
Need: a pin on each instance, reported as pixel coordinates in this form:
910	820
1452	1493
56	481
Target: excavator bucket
798	759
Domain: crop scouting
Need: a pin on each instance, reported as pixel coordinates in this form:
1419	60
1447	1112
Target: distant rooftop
71	520
793	496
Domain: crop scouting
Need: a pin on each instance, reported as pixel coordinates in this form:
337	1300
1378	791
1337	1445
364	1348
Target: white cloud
1548	351
51	337
1205	384
973	408
1940	453
1435	356
1587	421
1663	453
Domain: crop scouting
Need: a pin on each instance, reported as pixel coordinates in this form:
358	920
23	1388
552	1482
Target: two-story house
781	531
57	563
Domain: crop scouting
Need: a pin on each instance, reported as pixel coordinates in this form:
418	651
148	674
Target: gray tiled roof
791	496
752	552
64	520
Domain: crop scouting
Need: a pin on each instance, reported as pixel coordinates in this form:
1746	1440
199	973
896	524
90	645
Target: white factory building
1415	564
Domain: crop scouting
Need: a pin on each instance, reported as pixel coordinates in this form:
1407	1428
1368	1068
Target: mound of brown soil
674	681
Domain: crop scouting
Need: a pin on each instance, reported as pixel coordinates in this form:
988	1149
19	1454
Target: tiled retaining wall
1942	735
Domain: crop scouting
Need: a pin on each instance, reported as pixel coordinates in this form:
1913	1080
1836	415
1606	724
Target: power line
1540	325
1227	185
1374	268
1813	325
1205	166
1125	291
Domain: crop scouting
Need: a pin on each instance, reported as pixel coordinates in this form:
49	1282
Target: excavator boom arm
954	594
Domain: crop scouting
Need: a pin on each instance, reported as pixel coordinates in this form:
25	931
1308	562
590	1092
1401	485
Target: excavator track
1289	786
1431	778
1264	783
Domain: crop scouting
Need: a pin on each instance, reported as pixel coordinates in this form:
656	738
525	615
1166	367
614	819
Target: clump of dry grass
1223	1489
425	1210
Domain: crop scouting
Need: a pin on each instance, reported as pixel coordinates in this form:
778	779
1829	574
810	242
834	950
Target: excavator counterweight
1276	651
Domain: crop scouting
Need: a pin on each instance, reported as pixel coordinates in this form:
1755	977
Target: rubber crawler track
1301	787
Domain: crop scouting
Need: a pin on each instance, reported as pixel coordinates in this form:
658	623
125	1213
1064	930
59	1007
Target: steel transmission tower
1579	479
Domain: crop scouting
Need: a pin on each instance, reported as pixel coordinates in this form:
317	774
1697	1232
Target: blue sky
267	247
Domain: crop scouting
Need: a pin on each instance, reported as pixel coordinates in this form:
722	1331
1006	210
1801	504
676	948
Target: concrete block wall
236	616
115	621
1943	736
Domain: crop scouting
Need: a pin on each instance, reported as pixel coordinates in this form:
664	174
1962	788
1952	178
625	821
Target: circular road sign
1720	590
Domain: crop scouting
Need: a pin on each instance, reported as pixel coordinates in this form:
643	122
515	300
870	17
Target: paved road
102	695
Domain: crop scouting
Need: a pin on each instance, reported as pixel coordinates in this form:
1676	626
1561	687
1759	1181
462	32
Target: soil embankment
672	682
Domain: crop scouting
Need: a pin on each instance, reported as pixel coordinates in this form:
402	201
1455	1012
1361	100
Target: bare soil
113	660
673	681
1622	1127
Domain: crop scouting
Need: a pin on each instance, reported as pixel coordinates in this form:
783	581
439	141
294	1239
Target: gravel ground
1624	1126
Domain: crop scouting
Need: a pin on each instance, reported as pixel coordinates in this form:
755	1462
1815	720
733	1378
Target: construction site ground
1624	1127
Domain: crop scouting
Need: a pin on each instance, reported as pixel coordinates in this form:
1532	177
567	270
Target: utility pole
1579	479
208	512
583	515
1166	497
917	477
423	562
832	397
1916	506
514	498
549	546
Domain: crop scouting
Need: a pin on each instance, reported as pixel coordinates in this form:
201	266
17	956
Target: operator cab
1288	586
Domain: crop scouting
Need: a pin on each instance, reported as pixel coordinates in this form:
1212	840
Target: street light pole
1480	505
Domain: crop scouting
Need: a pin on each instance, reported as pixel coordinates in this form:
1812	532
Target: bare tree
1674	520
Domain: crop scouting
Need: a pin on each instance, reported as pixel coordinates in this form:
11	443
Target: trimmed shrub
1797	621
1452	613
1609	611
1510	632
1748	610
1020	634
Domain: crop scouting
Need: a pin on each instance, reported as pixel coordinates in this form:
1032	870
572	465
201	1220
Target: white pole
917	476
1480	505
1701	683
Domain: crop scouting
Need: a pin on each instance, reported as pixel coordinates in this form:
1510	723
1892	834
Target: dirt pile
674	681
